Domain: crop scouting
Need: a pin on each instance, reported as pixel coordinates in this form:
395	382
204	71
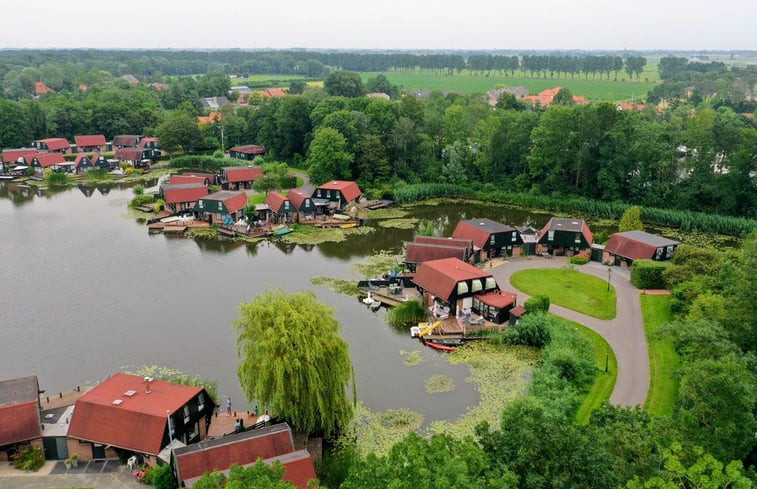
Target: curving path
625	333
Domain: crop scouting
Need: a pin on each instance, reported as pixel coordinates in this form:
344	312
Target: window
286	204
476	304
220	206
476	286
514	237
462	288
200	401
658	254
318	193
328	194
578	238
186	413
550	235
491	239
490	283
669	251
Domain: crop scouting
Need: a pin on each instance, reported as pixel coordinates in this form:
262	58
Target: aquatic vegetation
439	383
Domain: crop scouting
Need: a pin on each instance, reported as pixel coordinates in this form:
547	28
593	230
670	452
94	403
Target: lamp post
609	276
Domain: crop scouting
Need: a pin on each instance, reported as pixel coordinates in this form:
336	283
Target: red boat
438	346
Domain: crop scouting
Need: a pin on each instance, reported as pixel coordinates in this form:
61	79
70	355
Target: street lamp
609	276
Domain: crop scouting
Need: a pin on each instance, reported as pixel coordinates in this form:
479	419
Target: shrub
141	200
162	477
580	259
407	313
56	178
138	190
537	303
29	458
648	274
532	330
159	204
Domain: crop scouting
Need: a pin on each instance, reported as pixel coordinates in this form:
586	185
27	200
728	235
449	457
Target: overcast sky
387	24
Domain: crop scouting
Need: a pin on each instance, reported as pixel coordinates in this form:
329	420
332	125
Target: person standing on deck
228	406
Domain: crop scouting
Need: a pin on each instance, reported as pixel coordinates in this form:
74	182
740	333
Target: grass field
568	288
597	90
663	359
605	381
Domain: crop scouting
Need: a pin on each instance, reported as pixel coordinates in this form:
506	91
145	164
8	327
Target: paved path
625	333
99	475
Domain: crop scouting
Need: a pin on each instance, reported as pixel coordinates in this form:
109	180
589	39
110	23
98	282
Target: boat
368	300
440	347
348	225
282	231
414	331
375	306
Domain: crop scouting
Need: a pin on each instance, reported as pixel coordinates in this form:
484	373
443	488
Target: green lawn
596	90
571	289
663	359
257	198
605	381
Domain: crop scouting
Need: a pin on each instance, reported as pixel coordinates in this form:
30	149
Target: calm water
87	292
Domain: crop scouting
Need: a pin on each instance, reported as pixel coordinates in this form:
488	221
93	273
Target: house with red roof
564	236
303	204
221	207
546	97
193	177
126	141
41	161
269	444
129	414
491	237
428	248
238	177
99	162
210	118
450	284
624	248
52	145
182	196
82	163
274	92
281	207
248	152
336	194
19	414
20	156
42	89
89	143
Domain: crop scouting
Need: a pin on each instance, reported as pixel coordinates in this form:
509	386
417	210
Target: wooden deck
384	295
53	400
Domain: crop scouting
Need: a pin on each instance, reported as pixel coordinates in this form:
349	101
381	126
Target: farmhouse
247	152
221	207
238	177
269	444
182	196
564	236
546	97
494	238
89	143
280	206
336	194
624	248
53	145
128	414
303	204
451	286
19	412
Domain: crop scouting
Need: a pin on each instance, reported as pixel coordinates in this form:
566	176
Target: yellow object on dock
348	225
426	329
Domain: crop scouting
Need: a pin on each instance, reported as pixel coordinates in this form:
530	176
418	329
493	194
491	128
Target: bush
159	205
407	313
56	178
537	303
138	190
141	200
648	274
580	259
162	477
532	330
29	458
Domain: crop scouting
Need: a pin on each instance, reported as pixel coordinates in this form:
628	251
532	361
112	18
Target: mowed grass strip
570	289
663	359
604	382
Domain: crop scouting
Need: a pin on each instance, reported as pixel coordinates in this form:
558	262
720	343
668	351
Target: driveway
102	474
625	333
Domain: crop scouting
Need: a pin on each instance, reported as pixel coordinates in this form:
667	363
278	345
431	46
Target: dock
173	229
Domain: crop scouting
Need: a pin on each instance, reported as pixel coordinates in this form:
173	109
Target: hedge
537	303
205	163
647	274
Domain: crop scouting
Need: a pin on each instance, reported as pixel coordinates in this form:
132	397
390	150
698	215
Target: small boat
437	346
348	225
414	331
368	300
282	231
375	306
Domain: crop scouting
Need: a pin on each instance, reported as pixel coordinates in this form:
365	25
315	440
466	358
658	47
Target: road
625	333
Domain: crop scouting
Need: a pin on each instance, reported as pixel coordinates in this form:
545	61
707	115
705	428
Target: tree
564	97
344	84
531	330
507	101
258	476
293	360
328	158
380	84
179	131
631	220
296	87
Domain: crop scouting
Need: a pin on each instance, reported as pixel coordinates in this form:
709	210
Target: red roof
234	201
54	144
518	311
129	154
274	92
210	118
189	192
423	252
479	230
182	179
242	173
79	158
498	299
275	200
49	159
349	190
41	89
467	243
144	141
299	467
21	422
250	149
83	87
297	198
125	140
90	140
139	422
240	448
210	177
12	155
637	244
440	277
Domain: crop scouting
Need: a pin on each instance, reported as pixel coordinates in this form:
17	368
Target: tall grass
407	313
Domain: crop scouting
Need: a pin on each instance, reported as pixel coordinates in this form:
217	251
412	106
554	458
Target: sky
388	24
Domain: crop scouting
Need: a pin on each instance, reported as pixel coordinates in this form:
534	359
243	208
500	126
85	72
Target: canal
88	292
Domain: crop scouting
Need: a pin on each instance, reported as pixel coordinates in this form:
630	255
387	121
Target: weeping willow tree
294	361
